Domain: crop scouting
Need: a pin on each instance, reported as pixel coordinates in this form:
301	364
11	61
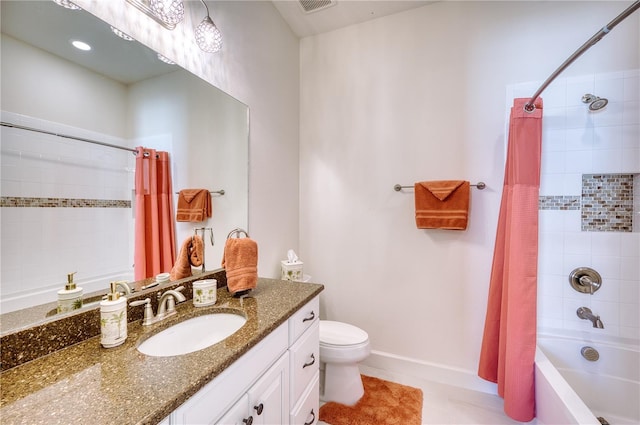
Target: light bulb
208	36
169	11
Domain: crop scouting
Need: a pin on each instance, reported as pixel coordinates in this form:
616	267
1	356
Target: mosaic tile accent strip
607	202
20	202
559	203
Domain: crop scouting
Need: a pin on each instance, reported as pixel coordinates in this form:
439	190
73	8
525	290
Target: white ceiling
342	14
50	27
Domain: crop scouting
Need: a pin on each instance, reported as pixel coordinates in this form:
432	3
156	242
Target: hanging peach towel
509	341
442	204
240	261
194	205
155	245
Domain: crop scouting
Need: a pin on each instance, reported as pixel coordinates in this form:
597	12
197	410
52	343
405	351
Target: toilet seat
338	334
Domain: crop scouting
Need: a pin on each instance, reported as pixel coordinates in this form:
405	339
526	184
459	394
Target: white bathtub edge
556	401
433	372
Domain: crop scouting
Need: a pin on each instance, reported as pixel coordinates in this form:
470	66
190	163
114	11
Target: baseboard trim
429	371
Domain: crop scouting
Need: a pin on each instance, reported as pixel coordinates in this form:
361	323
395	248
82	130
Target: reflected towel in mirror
191	254
194	205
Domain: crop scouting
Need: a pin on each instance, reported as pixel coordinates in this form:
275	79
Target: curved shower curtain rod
529	106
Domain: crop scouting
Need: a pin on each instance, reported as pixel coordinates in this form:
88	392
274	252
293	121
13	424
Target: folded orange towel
191	254
240	261
442	204
194	205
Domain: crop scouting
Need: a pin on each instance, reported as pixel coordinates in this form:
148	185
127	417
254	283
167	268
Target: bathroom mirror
134	99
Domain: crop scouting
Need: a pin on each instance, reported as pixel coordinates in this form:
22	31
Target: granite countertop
86	383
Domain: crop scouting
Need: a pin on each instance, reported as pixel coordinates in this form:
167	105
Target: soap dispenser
113	318
69	298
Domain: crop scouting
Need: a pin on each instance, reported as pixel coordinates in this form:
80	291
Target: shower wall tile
578	87
631	113
612	84
603	142
607	202
631	88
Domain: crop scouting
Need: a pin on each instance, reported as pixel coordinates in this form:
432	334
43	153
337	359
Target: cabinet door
238	414
269	397
305	412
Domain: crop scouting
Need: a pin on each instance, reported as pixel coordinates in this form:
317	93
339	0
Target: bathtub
49	294
573	390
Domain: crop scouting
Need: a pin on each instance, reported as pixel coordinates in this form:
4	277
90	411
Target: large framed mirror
66	203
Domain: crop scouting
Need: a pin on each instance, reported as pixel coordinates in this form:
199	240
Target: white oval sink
192	335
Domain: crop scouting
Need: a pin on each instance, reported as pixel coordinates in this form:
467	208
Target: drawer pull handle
249	420
312	420
313	360
311	317
259	408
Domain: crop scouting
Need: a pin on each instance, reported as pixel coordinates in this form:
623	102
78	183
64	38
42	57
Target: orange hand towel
194	205
442	204
191	254
240	261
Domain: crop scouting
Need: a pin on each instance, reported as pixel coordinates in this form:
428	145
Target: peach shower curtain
155	244
509	341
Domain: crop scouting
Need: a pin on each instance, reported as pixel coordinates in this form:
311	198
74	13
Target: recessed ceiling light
165	59
81	45
67	4
121	34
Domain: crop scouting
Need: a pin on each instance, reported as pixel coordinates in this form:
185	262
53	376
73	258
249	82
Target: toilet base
342	383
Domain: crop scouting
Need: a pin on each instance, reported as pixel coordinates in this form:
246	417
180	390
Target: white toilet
342	346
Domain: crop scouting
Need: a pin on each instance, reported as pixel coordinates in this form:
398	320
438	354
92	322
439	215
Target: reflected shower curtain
155	244
509	341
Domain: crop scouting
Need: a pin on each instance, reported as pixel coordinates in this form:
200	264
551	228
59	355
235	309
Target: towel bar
219	192
479	185
237	232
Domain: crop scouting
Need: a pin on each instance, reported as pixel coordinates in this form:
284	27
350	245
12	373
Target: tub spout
586	314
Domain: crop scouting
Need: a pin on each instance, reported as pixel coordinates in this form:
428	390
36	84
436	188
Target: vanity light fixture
67	4
169	11
80	45
121	34
208	36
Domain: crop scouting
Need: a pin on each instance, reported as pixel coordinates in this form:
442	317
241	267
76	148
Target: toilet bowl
342	346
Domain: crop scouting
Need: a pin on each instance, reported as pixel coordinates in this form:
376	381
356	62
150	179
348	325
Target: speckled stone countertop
86	383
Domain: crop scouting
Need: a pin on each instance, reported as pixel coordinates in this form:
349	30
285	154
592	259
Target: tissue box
291	270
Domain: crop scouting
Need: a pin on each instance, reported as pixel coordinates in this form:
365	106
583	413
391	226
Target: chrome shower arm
529	106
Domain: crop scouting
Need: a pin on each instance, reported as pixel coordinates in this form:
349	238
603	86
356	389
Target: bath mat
383	403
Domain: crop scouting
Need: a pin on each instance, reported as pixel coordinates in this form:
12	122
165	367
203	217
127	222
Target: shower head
595	103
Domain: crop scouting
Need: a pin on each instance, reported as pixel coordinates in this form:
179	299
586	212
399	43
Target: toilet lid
338	333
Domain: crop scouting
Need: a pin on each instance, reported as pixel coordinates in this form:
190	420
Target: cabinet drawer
305	412
303	319
305	360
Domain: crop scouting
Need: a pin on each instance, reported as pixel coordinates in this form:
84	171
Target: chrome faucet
586	314
166	306
125	287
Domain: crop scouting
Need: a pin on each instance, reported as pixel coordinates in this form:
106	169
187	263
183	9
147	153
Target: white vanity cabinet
304	358
267	400
275	382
